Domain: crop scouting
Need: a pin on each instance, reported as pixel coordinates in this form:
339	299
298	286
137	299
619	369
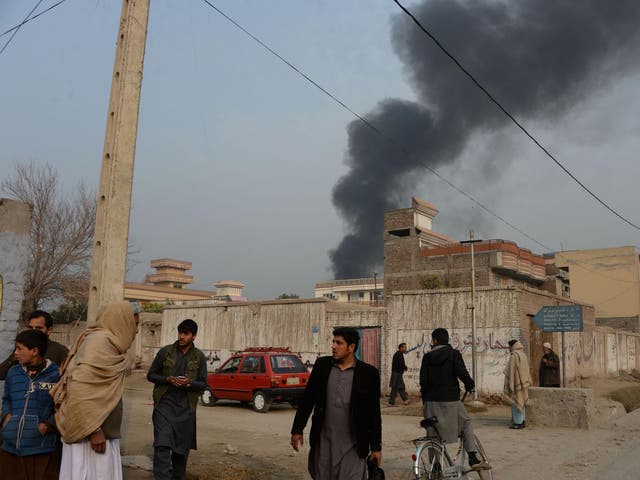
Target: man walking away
398	367
517	381
56	352
440	371
179	373
88	397
549	367
344	394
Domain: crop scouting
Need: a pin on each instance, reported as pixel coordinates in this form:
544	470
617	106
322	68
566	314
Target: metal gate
369	349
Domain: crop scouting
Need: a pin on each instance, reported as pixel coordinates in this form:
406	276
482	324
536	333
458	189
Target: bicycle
432	460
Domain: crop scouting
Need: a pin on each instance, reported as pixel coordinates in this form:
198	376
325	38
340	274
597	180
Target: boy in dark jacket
28	450
441	370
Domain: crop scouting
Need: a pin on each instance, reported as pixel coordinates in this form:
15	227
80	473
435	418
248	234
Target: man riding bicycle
441	368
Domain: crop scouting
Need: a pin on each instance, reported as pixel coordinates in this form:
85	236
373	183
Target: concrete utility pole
111	235
474	340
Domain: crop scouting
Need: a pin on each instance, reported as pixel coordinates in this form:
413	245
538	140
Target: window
356	296
287	364
405	232
231	366
252	365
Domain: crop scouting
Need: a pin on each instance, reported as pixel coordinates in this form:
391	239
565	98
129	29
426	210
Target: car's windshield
287	364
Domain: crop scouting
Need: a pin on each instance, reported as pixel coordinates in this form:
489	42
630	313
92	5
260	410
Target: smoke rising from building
538	58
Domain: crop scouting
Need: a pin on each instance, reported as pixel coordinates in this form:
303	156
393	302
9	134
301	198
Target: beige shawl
92	379
517	378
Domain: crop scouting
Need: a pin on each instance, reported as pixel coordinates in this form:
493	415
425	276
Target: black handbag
375	472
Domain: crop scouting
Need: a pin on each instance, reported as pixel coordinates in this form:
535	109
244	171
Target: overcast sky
237	156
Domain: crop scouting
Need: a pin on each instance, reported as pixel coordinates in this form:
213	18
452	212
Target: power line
292	66
389	139
18	27
512	118
32	18
619	294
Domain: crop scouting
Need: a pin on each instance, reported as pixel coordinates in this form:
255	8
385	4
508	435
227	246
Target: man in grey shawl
440	371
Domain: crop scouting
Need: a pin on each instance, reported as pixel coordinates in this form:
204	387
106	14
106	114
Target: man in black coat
549	367
346	428
441	370
398	367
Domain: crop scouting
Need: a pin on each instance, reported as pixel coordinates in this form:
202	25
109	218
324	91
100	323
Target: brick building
416	257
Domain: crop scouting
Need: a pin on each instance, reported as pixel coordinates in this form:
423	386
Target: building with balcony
355	290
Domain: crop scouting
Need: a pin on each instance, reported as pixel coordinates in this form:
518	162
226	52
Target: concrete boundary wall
502	314
616	351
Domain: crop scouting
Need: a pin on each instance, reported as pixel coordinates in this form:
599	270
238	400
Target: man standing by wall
549	367
179	373
88	397
344	394
517	381
398	367
56	352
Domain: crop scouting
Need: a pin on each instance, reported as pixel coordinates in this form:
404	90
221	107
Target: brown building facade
416	257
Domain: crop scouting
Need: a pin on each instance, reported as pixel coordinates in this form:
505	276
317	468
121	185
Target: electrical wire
512	118
32	18
371	125
25	20
392	140
619	294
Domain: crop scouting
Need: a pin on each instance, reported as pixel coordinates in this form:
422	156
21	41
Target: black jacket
550	373
441	368
365	405
397	363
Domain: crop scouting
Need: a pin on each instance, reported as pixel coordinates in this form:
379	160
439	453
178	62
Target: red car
261	375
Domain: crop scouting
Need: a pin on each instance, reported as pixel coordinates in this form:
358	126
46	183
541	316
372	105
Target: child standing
28	451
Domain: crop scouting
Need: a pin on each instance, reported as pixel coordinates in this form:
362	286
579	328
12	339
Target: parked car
262	375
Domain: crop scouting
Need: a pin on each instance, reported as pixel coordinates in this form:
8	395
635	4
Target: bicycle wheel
484	471
430	461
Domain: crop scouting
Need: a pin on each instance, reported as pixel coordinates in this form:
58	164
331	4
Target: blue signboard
566	318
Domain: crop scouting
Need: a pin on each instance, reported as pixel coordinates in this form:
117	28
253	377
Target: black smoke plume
539	58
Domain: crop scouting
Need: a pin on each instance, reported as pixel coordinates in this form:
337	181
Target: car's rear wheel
208	399
294	404
261	402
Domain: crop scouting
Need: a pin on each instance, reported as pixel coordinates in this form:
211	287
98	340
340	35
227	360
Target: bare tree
61	235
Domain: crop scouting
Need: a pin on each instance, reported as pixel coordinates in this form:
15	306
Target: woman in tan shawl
517	381
88	398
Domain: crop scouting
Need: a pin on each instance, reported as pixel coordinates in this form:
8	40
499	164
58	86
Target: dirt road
264	452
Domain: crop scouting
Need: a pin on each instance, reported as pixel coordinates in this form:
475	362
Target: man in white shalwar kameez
88	398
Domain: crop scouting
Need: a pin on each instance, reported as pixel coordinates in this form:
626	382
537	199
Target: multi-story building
354	290
167	284
608	279
417	258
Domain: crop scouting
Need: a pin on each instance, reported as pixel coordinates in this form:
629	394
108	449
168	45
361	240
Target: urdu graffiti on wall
492	345
460	343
